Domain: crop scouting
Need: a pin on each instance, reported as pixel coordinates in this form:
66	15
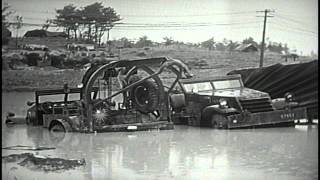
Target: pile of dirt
33	162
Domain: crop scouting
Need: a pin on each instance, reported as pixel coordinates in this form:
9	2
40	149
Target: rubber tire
216	119
153	97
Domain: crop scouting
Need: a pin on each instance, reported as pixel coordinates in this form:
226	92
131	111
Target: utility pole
264	33
18	26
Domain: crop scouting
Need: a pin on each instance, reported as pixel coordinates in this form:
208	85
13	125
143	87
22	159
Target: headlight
223	102
288	97
100	115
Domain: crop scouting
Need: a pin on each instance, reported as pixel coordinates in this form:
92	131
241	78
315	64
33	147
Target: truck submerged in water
224	102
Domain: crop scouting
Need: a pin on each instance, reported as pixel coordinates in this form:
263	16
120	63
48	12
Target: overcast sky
295	22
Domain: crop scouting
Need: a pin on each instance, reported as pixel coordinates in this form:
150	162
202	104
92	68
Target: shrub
57	61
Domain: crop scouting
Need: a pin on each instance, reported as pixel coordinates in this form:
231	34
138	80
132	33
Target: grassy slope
219	63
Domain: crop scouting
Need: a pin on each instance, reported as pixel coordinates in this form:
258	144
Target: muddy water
182	153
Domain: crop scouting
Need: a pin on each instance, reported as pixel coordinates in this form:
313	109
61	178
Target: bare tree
6	12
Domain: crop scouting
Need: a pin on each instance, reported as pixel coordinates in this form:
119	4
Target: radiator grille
256	105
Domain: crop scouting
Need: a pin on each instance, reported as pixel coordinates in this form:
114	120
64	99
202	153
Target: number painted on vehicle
287	116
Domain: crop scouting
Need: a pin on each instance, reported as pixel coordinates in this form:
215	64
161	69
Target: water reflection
185	152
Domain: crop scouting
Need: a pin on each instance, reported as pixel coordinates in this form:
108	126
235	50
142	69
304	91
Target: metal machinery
117	96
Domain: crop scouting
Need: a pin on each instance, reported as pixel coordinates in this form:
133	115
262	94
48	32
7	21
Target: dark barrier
299	79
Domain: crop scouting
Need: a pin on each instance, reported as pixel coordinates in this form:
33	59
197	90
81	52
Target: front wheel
219	121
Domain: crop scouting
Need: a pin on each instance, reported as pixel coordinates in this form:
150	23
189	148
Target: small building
290	55
246	48
44	33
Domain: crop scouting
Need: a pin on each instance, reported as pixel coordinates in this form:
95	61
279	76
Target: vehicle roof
212	78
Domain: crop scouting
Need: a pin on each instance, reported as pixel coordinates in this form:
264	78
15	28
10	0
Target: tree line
210	44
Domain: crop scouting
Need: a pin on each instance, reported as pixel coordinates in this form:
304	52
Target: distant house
246	48
44	33
291	54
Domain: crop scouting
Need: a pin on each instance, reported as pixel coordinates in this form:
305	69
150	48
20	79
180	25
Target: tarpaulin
299	79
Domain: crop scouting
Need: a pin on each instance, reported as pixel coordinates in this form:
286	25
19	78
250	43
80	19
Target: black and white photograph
159	90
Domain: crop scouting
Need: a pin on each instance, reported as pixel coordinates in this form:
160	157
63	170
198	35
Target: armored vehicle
224	102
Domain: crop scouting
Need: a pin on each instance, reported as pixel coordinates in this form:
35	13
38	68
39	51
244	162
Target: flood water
183	153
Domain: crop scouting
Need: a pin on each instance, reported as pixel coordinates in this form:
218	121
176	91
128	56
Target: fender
15	120
177	101
208	111
65	124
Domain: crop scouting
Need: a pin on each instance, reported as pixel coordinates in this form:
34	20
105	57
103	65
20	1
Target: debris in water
15	157
43	163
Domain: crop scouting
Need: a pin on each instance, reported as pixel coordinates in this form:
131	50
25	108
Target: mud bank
31	80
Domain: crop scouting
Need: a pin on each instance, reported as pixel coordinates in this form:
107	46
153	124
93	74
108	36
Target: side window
198	87
74	97
52	98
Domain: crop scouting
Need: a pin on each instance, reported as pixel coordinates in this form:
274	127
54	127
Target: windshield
227	84
198	87
59	97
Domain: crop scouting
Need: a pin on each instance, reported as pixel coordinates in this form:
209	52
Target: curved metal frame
88	104
165	63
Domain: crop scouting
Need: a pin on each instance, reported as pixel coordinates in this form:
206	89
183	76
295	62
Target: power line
294	26
173	28
183	24
292	20
297	31
294	14
193	15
